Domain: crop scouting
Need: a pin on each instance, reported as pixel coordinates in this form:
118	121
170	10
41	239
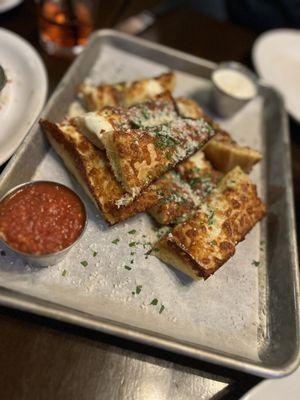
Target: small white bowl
227	103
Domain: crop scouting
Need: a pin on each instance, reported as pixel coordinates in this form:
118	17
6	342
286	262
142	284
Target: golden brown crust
138	157
176	202
225	155
193	180
92	170
198	172
148	88
209	237
125	94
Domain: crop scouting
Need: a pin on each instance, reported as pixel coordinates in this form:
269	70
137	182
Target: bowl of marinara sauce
41	221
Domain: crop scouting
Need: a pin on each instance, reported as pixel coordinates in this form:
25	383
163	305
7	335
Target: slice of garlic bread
91	168
177	200
198	172
225	155
139	156
193	180
149	113
125	93
203	243
222	151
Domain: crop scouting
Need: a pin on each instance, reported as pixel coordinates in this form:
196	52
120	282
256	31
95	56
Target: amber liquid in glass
63	27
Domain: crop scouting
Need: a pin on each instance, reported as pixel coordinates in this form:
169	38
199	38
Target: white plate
6	5
24	95
276	56
276	389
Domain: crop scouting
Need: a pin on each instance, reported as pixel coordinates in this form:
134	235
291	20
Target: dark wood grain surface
44	359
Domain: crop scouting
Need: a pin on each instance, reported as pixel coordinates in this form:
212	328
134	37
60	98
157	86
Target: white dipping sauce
235	83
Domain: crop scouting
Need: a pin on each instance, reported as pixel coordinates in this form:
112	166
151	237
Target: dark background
44	359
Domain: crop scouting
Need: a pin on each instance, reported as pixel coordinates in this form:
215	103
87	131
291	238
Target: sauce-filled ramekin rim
235	66
56	253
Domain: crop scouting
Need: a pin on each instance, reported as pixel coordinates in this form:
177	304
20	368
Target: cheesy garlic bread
125	93
94	125
139	156
91	168
194	179
222	151
203	243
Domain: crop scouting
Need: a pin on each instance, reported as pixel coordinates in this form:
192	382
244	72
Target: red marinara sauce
41	218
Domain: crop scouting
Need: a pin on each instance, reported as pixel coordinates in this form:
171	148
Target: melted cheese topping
93	122
235	83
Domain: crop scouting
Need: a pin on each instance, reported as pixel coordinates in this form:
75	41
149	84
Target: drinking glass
65	25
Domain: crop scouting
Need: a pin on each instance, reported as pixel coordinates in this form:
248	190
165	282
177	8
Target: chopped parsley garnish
154	302
144	236
127	267
213	243
255	263
131	261
84	263
175	197
195	181
64	273
163	137
211	218
162	307
169	156
132	232
155	249
145	113
133	244
196	170
95	253
132	253
138	289
115	241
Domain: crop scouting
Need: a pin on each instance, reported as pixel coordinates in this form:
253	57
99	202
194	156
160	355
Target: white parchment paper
222	312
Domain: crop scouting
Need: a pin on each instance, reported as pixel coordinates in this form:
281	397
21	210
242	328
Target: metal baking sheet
245	316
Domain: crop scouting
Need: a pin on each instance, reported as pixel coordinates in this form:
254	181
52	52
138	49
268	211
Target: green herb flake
115	241
127	267
84	263
138	289
132	244
162	307
255	263
95	253
64	273
213	243
132	253
211	218
154	302
132	232
155	249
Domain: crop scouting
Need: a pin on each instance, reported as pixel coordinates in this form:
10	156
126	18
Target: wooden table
45	359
